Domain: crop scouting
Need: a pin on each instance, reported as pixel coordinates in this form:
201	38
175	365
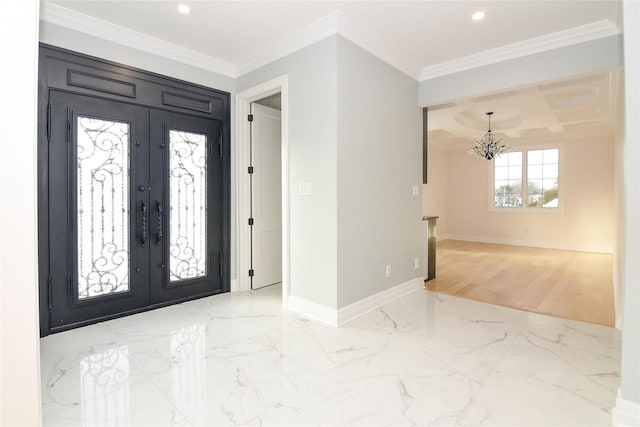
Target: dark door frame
66	71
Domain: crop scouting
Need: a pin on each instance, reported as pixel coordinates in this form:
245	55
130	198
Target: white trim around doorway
242	128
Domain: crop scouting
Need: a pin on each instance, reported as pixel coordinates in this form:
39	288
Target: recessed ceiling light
184	9
477	16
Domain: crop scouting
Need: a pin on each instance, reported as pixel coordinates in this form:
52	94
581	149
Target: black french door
135	208
186	198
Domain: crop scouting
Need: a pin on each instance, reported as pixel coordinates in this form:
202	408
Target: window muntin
539	168
508	180
542	178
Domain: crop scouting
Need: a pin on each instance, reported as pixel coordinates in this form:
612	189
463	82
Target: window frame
525	160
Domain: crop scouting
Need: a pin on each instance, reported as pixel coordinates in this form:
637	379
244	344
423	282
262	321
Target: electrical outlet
416	263
387	270
416	190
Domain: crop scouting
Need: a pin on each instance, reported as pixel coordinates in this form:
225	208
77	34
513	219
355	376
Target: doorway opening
536	229
262	190
265	182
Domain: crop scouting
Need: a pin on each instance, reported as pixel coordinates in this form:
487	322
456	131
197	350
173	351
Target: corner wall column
19	337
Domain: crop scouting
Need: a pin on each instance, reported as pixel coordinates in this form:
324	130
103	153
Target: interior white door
267	196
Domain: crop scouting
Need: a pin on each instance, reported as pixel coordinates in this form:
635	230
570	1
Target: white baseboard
529	243
357	309
234	285
335	318
625	413
314	311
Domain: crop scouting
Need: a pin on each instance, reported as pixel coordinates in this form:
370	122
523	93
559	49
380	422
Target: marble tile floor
425	359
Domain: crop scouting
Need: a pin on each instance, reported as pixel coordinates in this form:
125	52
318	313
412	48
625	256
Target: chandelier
488	147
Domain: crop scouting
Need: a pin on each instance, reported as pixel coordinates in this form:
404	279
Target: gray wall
379	159
312	79
570	61
380	219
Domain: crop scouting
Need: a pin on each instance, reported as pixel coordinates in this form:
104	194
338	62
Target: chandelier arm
488	147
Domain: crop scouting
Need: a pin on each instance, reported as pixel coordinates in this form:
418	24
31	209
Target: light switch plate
416	190
304	188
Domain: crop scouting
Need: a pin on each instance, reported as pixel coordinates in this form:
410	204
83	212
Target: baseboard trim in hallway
626	413
338	317
357	309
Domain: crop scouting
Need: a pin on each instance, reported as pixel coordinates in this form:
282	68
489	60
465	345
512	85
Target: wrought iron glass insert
188	205
102	167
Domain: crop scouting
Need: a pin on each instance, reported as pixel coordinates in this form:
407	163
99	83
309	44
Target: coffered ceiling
570	108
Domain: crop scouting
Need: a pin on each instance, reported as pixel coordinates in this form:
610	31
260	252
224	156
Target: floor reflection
104	386
188	369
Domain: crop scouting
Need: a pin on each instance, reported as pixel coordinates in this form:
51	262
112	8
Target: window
539	168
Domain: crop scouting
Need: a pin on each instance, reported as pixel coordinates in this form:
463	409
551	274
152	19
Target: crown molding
571	36
312	33
73	20
331	24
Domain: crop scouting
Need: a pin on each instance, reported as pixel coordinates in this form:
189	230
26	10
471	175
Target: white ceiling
413	36
422	38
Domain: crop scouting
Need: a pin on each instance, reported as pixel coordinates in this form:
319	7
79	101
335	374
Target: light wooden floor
573	285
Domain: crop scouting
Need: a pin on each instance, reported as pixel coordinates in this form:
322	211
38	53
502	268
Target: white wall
19	344
435	193
630	381
379	160
619	197
586	223
596	55
312	79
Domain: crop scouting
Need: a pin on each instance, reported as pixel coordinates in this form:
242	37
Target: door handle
143	209
160	211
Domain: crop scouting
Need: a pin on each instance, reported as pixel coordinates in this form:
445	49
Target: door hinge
250	221
68	131
50	291
250	170
251	273
250	117
220	263
48	121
